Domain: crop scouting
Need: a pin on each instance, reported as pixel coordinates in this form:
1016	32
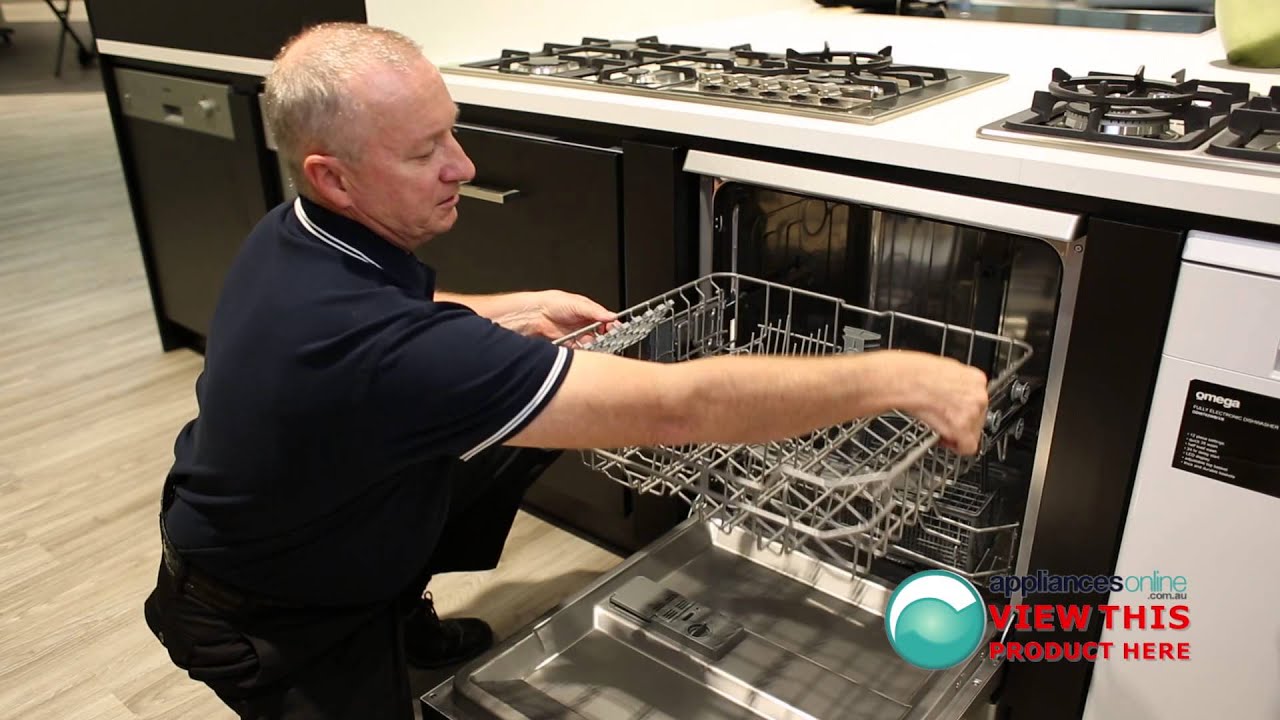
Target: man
360	430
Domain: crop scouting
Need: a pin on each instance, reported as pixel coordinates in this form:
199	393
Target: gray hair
307	103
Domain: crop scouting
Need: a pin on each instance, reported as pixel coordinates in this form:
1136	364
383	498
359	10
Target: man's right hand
952	400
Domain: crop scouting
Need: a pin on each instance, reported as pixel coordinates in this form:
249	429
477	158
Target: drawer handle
487	194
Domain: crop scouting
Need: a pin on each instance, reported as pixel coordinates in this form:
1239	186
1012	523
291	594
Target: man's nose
460	168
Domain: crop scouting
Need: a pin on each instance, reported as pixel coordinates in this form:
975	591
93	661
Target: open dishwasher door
767	636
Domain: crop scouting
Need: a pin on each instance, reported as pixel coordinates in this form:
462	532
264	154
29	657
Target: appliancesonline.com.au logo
937	619
1155	586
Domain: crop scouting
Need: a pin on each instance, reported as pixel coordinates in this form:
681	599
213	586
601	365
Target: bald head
325	84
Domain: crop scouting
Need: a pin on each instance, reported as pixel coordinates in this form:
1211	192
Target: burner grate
1130	109
1253	132
828	60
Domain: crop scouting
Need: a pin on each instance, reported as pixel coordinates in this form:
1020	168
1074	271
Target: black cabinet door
556	227
559	229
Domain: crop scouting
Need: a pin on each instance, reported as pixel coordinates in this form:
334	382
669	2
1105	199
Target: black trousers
270	660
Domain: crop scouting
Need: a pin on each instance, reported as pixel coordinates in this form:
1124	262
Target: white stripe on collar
326	238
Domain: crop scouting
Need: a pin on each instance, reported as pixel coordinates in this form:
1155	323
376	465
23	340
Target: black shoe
431	643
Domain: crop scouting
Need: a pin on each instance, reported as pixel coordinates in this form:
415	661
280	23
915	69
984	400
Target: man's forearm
759	398
608	401
494	307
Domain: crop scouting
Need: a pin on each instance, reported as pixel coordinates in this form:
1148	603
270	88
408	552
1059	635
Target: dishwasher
770	600
1213	442
191	151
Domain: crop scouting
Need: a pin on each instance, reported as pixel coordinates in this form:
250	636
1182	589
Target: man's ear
326	176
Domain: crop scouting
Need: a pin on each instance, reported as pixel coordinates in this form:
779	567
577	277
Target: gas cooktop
1194	122
861	87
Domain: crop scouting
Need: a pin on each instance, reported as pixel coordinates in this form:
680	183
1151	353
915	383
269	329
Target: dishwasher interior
769	601
968	277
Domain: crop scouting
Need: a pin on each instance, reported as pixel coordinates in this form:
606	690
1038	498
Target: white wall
452	31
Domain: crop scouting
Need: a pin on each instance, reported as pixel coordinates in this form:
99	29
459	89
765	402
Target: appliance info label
1231	435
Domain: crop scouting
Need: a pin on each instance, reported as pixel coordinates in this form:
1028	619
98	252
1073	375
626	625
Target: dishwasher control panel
178	102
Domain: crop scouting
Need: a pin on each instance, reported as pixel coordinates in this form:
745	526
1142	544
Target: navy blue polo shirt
335	392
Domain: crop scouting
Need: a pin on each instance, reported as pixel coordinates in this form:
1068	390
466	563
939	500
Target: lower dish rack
846	494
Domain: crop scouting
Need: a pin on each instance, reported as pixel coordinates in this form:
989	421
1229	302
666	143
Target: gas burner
545	66
1110	108
649	75
521	63
863	87
1253	132
1132	121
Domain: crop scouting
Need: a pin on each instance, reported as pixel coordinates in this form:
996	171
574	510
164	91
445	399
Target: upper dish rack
842	494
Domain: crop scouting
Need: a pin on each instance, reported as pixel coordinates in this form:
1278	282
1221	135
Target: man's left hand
552	314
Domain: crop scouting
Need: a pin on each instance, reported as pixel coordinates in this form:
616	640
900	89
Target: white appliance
1206	501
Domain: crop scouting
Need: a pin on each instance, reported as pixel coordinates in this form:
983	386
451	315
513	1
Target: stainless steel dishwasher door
192	153
813	646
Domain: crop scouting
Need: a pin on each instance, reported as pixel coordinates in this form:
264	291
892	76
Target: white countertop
941	138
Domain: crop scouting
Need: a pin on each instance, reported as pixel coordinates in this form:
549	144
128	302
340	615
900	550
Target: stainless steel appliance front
814	646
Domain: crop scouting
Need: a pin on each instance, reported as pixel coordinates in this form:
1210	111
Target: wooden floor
89	406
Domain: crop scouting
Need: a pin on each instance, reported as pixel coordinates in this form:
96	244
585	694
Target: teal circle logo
935	620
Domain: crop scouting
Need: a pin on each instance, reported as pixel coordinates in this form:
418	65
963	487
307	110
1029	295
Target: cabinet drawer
556	227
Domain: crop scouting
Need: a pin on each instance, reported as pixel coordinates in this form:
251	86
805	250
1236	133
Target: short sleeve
452	383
